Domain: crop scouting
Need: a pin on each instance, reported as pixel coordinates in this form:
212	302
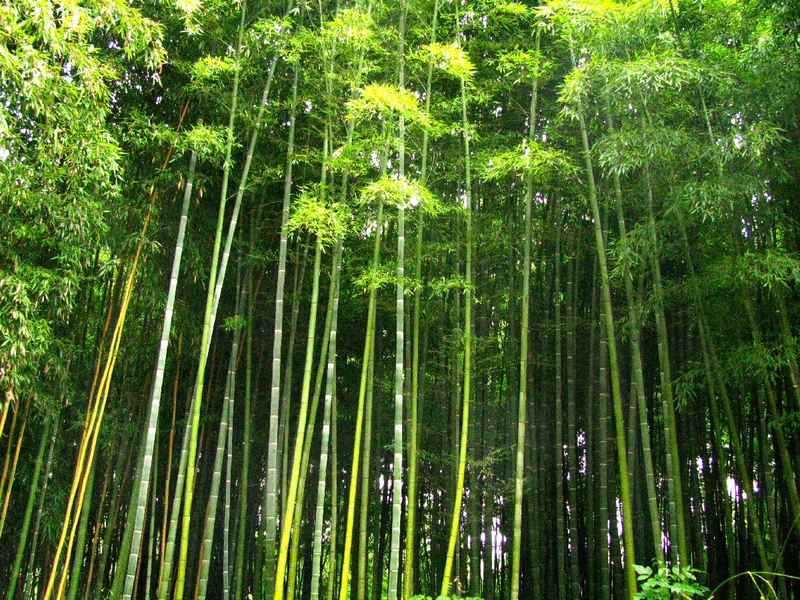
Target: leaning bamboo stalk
326	425
622	459
142	485
89	438
26	519
9	446
638	373
14	463
287	520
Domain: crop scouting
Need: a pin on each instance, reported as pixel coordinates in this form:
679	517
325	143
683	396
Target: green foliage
62	67
522	65
326	220
211	68
511	8
234	323
207	141
269	31
351	27
383	275
632	148
450	58
440	597
387	101
771	268
542	161
400	191
663	583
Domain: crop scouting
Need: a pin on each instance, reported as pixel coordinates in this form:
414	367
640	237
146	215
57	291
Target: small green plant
664	582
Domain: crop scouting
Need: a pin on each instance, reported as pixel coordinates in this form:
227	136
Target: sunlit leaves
521	65
511	8
351	27
328	221
208	68
271	30
632	80
400	191
450	58
543	162
649	73
384	101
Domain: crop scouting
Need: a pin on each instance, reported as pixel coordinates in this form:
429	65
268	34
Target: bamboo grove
367	299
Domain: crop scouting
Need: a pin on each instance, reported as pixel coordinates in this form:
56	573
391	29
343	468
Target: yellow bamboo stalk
8	451
14	465
6	407
102	398
97	408
89	438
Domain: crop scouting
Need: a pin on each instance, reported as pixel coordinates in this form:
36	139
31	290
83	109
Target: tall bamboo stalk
399	363
411	548
142	485
622	459
270	490
330	383
522	421
26	519
288	519
462	458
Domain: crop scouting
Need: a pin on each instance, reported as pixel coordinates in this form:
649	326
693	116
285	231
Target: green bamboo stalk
462	459
638	373
15	462
291	493
411	513
26	519
165	585
572	432
334	535
246	433
312	413
625	493
118	581
208	320
368	343
561	538
326	425
141	486
151	542
522	420
80	543
216	476
397	473
270	490
363	524
674	486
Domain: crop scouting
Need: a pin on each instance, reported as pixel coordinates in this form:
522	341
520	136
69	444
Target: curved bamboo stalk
462	458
